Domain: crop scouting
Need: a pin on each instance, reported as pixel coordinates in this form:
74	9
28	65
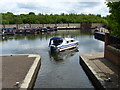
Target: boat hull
63	47
68	47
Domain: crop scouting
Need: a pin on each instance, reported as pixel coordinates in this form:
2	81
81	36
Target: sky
54	6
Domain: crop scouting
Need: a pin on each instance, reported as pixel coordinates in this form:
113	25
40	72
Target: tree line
32	18
114	18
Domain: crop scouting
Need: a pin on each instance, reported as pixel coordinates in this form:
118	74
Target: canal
57	70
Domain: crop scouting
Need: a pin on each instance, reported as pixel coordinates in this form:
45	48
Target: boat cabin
56	41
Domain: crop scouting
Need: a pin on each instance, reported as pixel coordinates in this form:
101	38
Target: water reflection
61	33
58	56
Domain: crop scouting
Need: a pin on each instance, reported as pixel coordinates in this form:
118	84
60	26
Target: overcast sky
54	6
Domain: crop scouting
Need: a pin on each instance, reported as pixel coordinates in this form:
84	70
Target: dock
19	71
102	72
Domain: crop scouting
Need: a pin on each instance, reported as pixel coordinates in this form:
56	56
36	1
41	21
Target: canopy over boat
56	38
56	41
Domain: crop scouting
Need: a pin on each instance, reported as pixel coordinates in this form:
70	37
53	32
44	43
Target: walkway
102	72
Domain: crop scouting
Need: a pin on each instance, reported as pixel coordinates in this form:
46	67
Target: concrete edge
29	80
91	73
1	73
15	54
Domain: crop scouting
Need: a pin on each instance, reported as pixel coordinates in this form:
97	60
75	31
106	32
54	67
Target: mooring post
42	25
107	42
17	26
3	25
68	25
30	25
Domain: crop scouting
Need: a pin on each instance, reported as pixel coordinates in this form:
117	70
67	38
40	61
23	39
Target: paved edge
91	73
30	78
1	73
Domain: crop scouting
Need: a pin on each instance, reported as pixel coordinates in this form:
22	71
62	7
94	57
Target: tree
17	19
114	17
31	13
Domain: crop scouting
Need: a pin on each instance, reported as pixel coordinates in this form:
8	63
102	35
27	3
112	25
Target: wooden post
3	25
30	25
107	39
42	25
17	26
68	25
107	42
80	25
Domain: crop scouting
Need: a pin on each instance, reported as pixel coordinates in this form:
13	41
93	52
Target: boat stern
53	48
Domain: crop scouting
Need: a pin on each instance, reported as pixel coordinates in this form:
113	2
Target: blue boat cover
56	38
56	41
7	29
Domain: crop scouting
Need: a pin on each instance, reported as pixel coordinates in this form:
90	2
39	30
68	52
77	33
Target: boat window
60	41
57	42
51	42
67	41
72	40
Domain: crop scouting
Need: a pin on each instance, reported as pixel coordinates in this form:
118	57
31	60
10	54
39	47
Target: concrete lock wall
97	24
111	53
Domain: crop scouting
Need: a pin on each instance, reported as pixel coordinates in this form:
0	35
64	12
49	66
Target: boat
44	30
58	44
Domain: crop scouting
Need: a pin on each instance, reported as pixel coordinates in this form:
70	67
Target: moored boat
44	30
60	44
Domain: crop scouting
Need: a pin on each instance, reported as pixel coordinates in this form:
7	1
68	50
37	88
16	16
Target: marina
55	45
39	28
56	69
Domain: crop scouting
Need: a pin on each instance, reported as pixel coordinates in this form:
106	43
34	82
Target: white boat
60	44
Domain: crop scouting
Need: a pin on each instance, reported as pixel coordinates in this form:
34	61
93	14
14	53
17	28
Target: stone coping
32	71
103	74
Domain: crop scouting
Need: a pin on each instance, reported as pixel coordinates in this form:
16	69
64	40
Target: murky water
57	70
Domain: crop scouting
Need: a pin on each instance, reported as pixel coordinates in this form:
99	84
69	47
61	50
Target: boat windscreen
57	42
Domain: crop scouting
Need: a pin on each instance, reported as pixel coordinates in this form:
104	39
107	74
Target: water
57	70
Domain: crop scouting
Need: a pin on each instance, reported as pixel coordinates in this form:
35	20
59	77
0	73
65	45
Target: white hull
68	47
